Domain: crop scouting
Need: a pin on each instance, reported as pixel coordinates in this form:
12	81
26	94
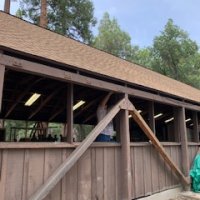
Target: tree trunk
43	15
7	6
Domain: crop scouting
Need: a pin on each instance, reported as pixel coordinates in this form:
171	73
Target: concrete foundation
165	195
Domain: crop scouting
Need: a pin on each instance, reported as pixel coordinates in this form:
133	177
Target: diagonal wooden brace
143	125
60	172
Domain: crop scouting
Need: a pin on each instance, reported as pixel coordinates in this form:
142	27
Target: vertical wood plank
133	160
13	189
53	158
139	172
147	169
109	174
72	182
25	174
154	167
161	173
125	155
36	170
118	173
100	173
84	176
70	95
2	74
168	172
65	153
93	173
3	173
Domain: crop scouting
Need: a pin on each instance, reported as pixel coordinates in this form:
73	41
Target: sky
145	19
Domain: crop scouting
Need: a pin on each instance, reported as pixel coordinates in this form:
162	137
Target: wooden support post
59	173
70	97
184	142
125	155
142	124
177	133
195	126
2	73
151	116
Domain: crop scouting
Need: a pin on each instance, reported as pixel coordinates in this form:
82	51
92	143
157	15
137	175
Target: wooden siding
149	172
97	175
192	151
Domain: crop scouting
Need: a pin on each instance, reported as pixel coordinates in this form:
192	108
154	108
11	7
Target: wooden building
156	121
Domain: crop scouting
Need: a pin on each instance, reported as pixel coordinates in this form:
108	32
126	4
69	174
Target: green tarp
195	174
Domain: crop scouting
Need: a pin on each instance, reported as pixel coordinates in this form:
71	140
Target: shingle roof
25	37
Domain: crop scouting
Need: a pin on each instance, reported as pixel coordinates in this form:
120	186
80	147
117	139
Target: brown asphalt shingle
25	37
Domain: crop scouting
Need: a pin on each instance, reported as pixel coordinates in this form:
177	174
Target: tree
43	15
7	6
112	39
73	17
175	54
143	56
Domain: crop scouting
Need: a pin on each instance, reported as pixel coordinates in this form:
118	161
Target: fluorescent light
80	103
139	111
187	120
158	115
32	99
169	120
191	124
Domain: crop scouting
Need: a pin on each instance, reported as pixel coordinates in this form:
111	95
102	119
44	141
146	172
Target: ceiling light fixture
32	99
80	103
169	120
187	120
158	115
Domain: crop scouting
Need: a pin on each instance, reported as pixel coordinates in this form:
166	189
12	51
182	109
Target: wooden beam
184	142
151	116
70	122
125	155
142	124
60	172
2	74
44	102
195	126
20	97
44	70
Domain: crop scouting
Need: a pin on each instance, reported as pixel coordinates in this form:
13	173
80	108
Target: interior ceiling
52	105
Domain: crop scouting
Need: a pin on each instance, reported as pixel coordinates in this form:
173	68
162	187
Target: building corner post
125	155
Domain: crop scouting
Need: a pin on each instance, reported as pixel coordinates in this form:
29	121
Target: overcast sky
144	19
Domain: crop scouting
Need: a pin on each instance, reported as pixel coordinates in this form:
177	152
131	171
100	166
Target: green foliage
175	54
112	39
143	57
73	18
